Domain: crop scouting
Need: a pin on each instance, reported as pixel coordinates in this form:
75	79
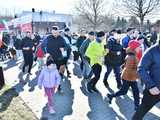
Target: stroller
12	53
4	52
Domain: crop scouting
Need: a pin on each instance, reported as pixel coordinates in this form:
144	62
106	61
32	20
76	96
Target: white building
39	21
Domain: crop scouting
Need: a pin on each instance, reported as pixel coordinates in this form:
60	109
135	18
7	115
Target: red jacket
139	55
40	53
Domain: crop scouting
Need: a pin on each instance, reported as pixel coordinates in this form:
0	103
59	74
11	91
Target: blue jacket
84	46
44	44
125	41
149	67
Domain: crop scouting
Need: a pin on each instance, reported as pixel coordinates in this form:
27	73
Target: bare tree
138	8
108	23
133	22
81	23
92	11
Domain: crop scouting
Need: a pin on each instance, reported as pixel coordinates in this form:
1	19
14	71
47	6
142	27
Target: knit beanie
100	34
91	33
133	44
49	61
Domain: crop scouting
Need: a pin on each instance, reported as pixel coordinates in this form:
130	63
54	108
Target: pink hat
133	44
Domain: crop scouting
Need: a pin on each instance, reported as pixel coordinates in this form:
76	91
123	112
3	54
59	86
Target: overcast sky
60	6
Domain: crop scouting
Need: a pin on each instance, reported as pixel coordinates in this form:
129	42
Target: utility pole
32	24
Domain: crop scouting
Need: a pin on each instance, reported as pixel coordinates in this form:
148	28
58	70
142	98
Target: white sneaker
52	111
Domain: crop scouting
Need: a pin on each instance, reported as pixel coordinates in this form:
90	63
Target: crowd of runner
133	56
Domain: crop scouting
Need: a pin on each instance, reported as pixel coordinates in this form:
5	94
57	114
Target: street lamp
33	11
41	25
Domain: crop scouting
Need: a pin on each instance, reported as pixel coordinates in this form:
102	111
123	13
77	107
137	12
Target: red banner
26	27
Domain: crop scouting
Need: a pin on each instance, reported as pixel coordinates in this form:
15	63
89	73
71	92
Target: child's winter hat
49	61
133	44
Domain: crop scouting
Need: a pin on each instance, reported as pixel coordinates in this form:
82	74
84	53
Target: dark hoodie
115	55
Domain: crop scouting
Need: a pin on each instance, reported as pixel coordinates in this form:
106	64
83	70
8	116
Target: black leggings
148	102
97	72
76	55
124	89
28	61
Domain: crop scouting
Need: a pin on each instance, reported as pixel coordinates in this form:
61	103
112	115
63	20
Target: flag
6	25
1	35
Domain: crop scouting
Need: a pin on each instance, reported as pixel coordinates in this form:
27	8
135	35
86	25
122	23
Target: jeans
124	89
148	102
116	70
96	68
87	70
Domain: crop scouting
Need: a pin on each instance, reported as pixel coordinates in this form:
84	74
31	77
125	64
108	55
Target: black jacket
27	42
53	46
36	40
80	41
17	44
115	55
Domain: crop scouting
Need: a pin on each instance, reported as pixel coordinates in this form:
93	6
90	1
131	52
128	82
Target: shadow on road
33	83
126	106
100	109
63	103
6	98
10	64
9	94
22	82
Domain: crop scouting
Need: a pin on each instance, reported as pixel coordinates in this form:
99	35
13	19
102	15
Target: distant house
39	21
